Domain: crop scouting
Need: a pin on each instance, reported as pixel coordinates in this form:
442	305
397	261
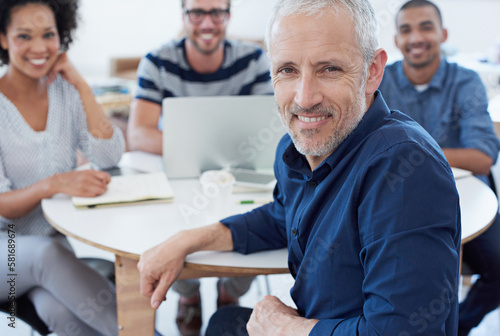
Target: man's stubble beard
354	114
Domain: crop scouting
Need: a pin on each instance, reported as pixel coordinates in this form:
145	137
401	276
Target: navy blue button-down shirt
374	243
453	109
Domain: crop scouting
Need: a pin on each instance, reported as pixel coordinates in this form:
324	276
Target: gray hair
361	11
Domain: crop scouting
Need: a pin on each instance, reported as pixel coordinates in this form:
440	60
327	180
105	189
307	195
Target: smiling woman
65	18
47	113
32	45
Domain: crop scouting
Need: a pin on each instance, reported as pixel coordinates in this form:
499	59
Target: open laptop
224	132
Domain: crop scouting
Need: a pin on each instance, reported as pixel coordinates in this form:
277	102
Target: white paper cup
217	187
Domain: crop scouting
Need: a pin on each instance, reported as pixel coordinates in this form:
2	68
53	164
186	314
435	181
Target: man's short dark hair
183	3
421	3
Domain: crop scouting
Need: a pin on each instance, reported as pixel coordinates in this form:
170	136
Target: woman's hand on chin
67	71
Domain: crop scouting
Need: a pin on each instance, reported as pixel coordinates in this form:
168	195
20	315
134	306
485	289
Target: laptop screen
204	133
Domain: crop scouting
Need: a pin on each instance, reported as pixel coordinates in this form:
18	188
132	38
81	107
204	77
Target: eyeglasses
217	15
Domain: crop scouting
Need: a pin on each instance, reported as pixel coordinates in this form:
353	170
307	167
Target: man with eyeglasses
203	63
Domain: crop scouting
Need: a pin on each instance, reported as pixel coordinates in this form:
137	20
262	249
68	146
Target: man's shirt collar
437	81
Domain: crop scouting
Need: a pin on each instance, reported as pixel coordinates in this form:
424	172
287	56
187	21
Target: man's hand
272	317
161	265
159	268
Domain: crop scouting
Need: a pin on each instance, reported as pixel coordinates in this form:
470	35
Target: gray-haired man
353	179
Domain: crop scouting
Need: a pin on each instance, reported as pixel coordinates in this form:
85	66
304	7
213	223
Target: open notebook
126	189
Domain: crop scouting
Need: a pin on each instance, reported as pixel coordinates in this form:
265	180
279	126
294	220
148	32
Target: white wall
134	27
473	25
110	28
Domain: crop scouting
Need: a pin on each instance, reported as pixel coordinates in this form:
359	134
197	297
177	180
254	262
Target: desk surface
478	204
130	230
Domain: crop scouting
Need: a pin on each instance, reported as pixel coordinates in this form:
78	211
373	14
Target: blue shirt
373	234
453	109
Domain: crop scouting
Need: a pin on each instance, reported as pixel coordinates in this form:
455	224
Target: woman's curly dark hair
65	13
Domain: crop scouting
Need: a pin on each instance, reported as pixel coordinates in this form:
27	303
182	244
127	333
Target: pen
255	201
